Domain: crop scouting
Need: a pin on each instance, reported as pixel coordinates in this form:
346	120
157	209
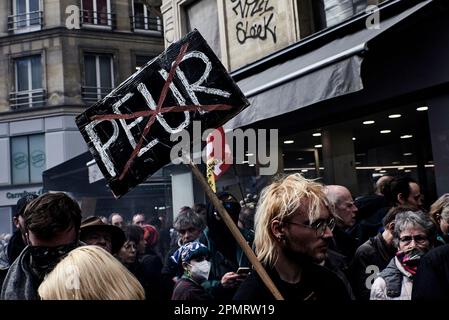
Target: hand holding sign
128	132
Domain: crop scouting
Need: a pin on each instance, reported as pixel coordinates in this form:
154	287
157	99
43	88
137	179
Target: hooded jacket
20	282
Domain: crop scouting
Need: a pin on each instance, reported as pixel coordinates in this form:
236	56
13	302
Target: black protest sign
128	132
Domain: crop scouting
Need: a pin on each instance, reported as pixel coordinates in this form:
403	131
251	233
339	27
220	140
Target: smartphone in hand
243	270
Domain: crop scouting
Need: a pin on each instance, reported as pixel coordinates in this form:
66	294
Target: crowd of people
315	241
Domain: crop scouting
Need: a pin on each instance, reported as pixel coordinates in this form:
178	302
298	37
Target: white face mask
200	270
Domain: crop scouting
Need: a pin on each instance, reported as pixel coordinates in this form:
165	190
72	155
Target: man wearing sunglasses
52	223
293	230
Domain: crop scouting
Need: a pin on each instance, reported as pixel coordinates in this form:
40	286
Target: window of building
98	76
315	15
97	13
27	158
28	83
336	11
26	16
144	18
142	60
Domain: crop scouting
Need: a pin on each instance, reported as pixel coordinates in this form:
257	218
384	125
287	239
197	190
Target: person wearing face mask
51	223
188	226
413	235
192	259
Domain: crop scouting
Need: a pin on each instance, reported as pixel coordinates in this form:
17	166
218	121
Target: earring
280	237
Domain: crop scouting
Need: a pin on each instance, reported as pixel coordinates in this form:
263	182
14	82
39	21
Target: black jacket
371	211
343	243
336	263
374	252
317	284
432	278
221	264
148	271
187	289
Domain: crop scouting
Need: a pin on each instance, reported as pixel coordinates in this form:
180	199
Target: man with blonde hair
293	227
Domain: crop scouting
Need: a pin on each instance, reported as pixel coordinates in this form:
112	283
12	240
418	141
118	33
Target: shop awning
72	176
331	71
81	176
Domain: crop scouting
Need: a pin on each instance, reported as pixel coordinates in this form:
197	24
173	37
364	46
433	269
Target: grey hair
416	219
188	218
334	197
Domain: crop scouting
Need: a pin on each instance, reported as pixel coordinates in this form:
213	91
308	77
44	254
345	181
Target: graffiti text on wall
255	20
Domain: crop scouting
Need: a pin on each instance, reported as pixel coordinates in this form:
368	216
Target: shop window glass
28	159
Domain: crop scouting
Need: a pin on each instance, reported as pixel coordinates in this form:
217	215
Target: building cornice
81	33
34	113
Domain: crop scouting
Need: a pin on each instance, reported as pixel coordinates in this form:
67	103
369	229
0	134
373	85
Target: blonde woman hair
284	197
440	209
90	273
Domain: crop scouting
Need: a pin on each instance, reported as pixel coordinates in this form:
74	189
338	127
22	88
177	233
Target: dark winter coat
187	289
148	271
317	284
20	282
373	253
343	243
336	263
221	265
432	278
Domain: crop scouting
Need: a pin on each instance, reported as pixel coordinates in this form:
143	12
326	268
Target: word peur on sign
128	131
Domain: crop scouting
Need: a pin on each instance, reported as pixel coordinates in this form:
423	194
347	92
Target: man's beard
301	257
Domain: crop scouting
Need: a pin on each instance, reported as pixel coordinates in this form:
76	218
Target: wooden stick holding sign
131	132
236	233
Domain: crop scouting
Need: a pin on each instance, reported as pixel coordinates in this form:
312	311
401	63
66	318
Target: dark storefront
81	178
321	92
